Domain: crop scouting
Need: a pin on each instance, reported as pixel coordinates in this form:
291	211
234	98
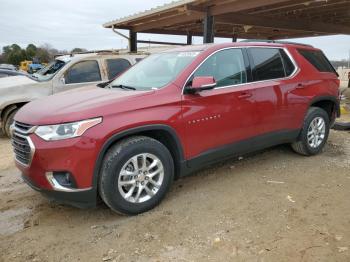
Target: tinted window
317	59
86	71
288	64
116	66
267	63
226	66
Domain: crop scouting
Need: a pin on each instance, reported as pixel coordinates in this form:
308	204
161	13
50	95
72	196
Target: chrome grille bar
23	146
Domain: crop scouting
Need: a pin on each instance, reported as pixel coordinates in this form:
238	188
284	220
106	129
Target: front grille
22	127
21	143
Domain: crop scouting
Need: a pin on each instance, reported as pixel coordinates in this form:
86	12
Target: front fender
116	137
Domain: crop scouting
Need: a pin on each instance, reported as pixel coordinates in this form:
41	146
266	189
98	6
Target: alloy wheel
141	178
316	132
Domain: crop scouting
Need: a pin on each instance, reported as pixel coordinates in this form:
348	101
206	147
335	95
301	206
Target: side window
226	66
116	66
318	60
267	63
86	71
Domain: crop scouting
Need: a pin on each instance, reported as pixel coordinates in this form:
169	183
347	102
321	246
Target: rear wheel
314	134
136	174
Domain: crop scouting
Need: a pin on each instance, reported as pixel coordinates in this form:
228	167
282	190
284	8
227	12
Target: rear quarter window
318	60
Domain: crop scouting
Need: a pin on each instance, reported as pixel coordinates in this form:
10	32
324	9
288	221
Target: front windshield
49	71
155	71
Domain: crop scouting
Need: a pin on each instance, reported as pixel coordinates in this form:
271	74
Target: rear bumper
81	199
337	108
336	114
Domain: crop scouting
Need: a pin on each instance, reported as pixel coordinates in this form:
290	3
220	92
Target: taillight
337	81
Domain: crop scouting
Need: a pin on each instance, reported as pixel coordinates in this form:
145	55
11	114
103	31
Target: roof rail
274	41
88	52
95	52
102	52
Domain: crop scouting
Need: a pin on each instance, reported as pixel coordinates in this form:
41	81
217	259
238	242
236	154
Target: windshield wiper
124	87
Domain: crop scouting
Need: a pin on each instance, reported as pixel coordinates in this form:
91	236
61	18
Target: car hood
13	81
78	104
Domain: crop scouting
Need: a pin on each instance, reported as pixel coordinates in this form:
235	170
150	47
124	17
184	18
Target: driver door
224	115
79	74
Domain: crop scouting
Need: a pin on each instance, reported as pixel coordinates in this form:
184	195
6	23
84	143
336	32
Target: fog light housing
62	181
65	179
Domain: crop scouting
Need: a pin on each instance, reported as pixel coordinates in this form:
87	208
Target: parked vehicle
34	67
64	73
173	113
24	65
6	73
8	67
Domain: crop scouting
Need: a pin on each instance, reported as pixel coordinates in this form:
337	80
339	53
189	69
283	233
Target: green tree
43	55
78	50
14	54
31	51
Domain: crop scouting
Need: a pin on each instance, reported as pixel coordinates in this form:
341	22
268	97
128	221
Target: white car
64	73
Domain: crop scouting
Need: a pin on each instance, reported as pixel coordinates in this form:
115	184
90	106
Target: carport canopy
247	19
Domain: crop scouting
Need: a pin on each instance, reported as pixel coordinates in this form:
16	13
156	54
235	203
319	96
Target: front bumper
80	199
75	156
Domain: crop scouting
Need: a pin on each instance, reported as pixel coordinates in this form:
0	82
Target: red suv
173	113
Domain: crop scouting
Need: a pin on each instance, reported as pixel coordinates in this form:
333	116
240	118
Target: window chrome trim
293	74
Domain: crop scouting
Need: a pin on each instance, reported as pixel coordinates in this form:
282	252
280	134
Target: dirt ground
271	206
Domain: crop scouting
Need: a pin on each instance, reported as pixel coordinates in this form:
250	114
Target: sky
66	24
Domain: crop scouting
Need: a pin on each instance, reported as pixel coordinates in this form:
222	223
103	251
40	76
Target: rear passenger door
272	69
116	67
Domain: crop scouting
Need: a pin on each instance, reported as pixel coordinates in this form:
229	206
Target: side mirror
200	83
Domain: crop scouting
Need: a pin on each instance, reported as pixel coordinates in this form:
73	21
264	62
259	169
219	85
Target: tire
8	122
118	165
307	144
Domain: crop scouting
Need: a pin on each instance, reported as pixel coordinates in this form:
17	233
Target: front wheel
8	122
136	174
314	134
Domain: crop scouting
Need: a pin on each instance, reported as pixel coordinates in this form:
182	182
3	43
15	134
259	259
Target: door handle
244	95
300	86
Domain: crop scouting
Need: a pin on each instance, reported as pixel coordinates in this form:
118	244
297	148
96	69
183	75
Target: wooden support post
208	29
234	38
132	41
189	39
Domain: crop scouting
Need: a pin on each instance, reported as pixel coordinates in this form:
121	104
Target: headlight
67	130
